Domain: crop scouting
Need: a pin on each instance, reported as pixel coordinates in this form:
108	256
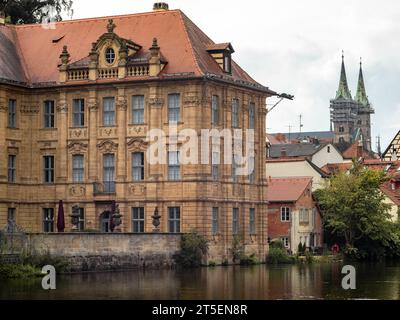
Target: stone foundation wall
104	252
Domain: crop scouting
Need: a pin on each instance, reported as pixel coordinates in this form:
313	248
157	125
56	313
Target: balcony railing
107	187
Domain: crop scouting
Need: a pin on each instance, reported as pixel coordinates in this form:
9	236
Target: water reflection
318	281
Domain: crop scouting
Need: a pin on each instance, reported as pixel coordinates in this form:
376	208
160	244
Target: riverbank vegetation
278	254
356	215
193	248
19	271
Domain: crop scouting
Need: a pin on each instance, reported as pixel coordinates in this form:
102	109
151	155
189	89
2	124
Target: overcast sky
295	47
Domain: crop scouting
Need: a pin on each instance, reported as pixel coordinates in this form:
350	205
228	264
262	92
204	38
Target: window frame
12	114
109	172
109	116
304	216
215	110
174	108
46	221
109	54
138	108
174	169
138	219
78	113
235	113
136	167
12	168
81	220
215	162
286	242
285	214
252	116
78	171
174	219
215	221
49	169
49	114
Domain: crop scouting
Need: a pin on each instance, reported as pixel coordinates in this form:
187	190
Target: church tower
351	118
365	110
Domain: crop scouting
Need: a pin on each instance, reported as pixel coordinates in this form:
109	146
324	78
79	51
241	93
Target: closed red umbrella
60	217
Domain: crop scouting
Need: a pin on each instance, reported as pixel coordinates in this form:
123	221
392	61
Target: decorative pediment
136	144
112	57
77	147
108	146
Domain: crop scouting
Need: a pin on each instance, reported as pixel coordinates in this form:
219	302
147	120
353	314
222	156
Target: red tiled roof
393	195
332	168
287	189
353	153
181	42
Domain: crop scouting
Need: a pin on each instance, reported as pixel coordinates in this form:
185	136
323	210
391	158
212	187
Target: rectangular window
174	220
78	113
235	113
215	221
48	220
48	169
11	221
138	166
78	168
234	167
285	214
12	168
49	114
252	221
12	113
109	173
215	110
235	221
138	220
285	241
215	165
252	110
252	169
174	109
81	223
138	109
174	168
304	216
109	111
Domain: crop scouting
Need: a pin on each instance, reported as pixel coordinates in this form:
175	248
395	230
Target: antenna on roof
290	131
301	122
378	146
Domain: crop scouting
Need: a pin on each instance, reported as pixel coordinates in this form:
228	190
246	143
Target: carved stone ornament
156	102
122	104
62	107
108	146
77	147
137	145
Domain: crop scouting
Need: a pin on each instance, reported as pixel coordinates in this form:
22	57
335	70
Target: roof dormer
222	54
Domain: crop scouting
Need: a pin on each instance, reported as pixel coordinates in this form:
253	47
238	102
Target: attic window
222	53
110	55
227	63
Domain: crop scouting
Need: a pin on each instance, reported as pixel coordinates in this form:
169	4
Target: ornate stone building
77	100
351	118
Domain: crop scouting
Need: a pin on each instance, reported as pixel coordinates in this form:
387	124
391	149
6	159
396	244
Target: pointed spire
343	91
361	96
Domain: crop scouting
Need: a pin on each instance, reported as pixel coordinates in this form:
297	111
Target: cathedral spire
361	96
343	91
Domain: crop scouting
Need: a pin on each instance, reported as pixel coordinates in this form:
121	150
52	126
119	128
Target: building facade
351	118
77	102
293	216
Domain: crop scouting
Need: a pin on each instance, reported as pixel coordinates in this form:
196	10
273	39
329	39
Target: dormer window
110	55
227	63
222	53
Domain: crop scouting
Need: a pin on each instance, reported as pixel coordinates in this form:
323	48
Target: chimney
160	6
283	152
2	18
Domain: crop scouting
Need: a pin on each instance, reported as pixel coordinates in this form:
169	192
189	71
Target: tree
35	11
353	207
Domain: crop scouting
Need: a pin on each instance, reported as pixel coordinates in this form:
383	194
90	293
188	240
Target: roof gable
287	189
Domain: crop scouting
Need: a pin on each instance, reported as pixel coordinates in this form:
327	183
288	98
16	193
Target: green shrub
249	260
225	263
278	255
193	247
41	260
309	257
212	264
19	271
237	249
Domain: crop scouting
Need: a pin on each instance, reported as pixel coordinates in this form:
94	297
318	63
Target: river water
316	281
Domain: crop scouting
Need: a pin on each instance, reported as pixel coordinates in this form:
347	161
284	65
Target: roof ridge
189	42
20	26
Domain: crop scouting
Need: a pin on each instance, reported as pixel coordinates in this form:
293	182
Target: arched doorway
105	221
